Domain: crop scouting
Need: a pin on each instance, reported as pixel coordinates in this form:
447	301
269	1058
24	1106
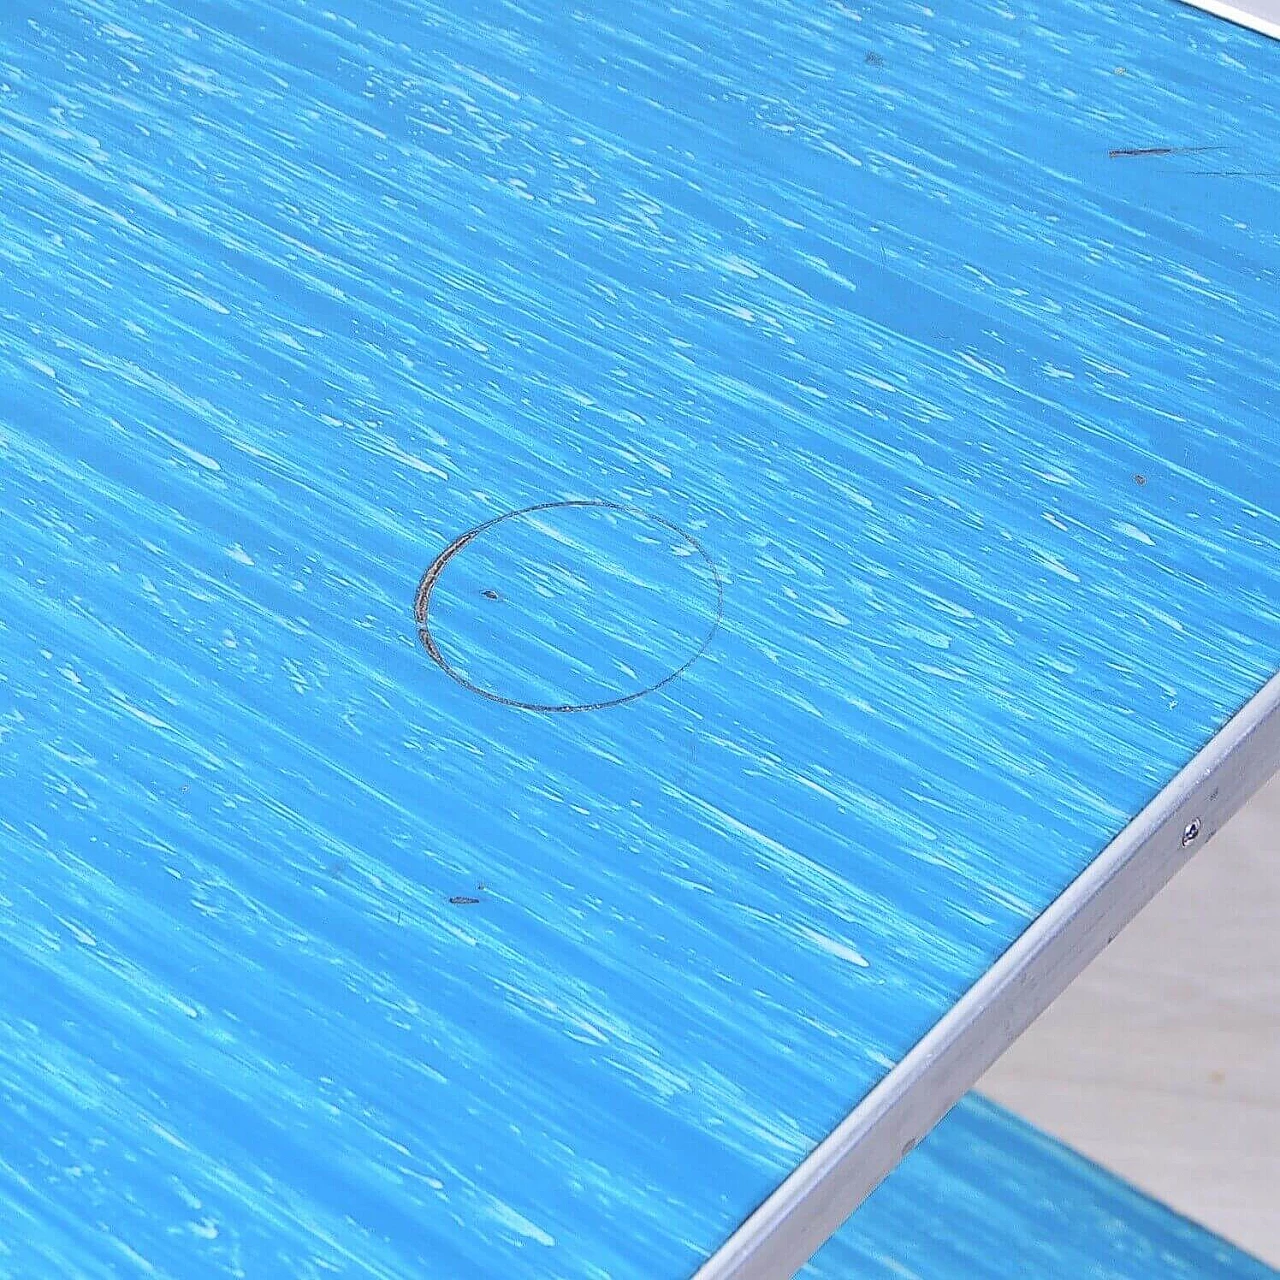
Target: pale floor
1162	1061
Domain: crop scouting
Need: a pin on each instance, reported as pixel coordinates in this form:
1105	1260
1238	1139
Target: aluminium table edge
1241	14
810	1205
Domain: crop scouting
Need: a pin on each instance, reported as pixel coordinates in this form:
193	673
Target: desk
897	395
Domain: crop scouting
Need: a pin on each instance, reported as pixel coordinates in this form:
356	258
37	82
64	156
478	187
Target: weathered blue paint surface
976	423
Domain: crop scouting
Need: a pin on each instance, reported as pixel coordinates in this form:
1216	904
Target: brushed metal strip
1258	15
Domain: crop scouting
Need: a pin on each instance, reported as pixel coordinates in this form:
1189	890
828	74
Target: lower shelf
987	1195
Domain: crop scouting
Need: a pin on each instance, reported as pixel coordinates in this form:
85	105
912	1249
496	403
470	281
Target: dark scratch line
1133	153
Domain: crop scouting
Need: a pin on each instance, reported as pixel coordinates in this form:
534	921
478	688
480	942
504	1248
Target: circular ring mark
422	607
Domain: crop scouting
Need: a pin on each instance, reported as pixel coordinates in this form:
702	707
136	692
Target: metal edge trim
824	1189
1242	17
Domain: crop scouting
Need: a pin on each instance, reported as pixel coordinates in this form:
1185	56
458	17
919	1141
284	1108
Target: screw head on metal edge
1190	831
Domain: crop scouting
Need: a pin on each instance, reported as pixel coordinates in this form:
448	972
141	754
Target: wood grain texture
977	424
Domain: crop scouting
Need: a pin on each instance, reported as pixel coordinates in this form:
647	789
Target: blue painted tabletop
572	576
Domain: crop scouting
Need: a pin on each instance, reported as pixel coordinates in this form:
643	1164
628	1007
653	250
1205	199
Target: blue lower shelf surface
988	1197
